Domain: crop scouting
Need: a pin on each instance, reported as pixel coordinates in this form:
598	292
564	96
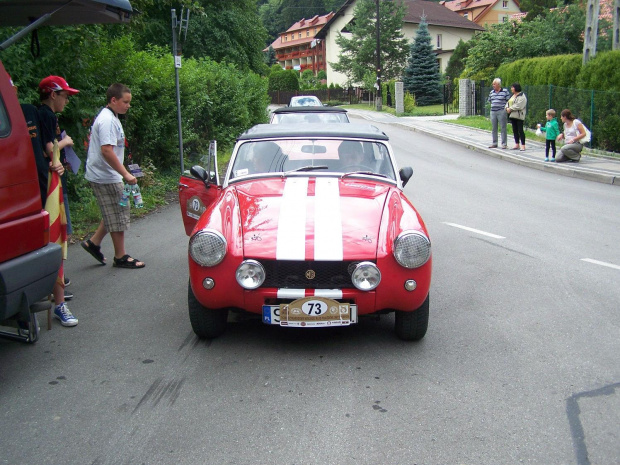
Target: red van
28	262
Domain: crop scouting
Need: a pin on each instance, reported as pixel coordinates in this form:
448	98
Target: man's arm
109	156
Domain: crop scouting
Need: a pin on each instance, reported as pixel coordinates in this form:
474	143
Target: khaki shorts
115	217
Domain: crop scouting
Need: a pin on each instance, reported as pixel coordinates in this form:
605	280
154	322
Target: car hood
308	218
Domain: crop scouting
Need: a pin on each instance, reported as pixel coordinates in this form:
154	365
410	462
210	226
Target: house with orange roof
298	48
445	27
484	12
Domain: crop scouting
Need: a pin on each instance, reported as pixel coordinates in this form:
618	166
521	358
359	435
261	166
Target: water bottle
125	197
137	196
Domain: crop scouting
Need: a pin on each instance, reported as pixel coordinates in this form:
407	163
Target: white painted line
596	262
477	231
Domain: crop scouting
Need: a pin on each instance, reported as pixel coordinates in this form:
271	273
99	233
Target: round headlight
250	274
207	247
366	276
412	249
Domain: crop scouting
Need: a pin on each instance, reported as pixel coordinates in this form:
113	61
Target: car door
195	196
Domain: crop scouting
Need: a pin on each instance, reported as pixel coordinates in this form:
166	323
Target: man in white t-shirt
107	175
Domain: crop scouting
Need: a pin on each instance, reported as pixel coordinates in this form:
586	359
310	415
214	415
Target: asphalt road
520	364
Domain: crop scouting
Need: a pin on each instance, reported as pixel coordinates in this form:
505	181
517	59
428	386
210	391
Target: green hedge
599	73
217	100
284	80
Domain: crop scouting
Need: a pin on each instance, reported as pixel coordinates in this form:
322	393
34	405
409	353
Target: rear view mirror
405	174
313	149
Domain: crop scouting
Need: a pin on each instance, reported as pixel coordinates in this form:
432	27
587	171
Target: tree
222	30
422	77
513	40
456	64
270	57
358	52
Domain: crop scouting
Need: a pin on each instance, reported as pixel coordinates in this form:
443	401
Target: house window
503	18
438	40
505	4
299	35
466	16
307	32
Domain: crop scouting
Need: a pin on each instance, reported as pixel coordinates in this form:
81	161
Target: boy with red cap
54	93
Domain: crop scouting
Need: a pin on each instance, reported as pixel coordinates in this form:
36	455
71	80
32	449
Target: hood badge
367	238
256	237
310	274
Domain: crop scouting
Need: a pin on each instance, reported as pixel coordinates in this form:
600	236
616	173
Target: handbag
588	137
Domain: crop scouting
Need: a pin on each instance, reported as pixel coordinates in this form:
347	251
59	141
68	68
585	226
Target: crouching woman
574	132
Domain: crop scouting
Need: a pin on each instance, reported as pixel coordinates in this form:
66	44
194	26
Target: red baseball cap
55	84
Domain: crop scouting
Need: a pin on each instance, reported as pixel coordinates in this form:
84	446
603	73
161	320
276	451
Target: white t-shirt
107	130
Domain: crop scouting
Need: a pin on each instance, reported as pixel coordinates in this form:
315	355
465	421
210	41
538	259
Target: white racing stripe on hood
327	220
291	239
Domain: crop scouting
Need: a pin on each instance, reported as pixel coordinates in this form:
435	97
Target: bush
286	80
601	72
409	102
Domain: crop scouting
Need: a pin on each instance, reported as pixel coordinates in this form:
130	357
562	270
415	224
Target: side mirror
200	173
405	174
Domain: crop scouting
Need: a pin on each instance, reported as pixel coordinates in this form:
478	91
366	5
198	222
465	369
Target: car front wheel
412	326
206	322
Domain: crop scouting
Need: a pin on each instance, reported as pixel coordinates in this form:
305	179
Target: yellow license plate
315	311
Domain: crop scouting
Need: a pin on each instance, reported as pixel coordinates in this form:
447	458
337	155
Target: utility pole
379	100
615	45
591	32
181	23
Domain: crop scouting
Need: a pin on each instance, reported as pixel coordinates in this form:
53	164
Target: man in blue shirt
498	97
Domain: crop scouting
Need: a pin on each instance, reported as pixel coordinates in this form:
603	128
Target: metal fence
598	110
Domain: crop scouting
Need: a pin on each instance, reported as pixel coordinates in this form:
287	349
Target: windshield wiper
363	172
307	168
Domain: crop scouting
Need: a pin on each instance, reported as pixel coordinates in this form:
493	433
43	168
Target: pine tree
421	77
358	50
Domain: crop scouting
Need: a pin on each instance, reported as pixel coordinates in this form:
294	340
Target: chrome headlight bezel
412	249
207	247
250	274
366	276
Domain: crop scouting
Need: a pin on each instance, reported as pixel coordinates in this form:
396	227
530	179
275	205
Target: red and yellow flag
55	206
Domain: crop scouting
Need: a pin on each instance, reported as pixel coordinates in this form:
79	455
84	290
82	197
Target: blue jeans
499	117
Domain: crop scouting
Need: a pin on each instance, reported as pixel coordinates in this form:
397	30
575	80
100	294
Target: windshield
305	102
313	117
317	155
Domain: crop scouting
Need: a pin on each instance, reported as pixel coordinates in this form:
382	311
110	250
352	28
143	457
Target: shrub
286	80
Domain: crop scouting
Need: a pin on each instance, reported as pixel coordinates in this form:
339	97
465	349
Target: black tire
206	322
412	326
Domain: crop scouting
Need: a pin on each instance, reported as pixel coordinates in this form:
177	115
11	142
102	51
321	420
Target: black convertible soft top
319	130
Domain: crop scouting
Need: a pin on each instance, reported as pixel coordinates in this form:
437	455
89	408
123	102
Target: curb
581	173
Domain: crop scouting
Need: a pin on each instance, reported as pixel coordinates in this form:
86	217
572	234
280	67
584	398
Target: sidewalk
590	167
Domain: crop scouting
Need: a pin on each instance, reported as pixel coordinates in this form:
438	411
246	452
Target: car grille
307	274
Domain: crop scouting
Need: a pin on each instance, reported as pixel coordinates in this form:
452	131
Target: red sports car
310	228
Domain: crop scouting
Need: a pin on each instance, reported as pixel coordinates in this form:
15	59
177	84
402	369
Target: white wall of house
332	50
448	41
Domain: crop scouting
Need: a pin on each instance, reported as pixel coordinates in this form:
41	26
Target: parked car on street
296	115
309	228
305	101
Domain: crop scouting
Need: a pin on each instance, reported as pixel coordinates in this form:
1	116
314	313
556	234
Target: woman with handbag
516	112
574	133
